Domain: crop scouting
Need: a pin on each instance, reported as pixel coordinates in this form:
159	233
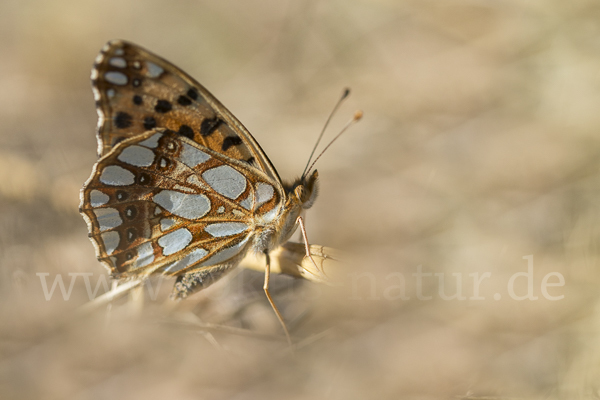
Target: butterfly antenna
357	116
337	105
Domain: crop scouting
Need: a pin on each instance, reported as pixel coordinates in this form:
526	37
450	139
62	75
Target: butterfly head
304	190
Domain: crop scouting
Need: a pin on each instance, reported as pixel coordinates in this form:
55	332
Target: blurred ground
479	147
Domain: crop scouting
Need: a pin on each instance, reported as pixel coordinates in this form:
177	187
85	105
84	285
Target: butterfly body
181	187
299	196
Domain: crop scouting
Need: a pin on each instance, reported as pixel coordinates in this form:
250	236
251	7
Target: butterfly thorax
300	195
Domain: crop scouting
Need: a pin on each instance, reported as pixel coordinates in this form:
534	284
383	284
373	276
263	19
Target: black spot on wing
130	212
131	234
186	131
231	141
149	123
137	100
192	94
209	125
163	106
122	195
122	120
184	100
143	179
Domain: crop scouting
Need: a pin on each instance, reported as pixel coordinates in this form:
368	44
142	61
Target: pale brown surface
479	146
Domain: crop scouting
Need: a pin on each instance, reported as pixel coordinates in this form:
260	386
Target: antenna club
358	114
346	93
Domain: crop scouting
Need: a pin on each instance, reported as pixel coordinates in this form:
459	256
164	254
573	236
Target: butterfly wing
160	202
137	91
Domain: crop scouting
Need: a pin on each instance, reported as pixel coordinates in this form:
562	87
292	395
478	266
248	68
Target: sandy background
479	146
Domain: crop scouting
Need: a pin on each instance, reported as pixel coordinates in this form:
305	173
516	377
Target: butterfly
181	188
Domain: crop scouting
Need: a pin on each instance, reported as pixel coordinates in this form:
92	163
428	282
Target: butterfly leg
300	222
266	288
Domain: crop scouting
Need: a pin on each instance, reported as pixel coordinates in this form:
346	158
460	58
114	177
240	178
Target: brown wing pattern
137	91
159	202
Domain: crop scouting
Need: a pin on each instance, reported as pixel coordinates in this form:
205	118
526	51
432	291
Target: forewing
137	91
160	203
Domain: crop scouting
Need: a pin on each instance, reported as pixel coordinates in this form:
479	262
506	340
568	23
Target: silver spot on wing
226	181
145	255
175	241
264	193
97	198
188	206
118	62
270	216
111	241
221	229
137	155
116	78
247	202
188	260
154	71
166	223
191	156
116	176
152	141
108	218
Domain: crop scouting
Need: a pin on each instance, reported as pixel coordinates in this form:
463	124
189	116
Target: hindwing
160	202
